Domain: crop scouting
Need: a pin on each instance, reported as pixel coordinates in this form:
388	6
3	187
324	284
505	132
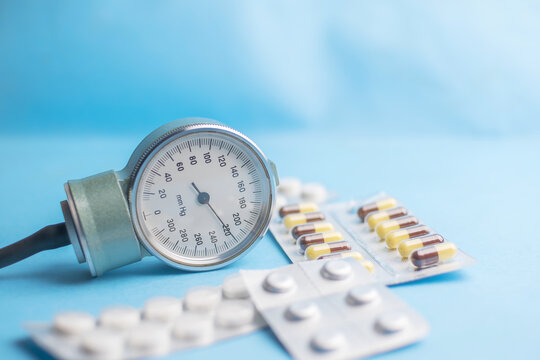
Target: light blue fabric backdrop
464	67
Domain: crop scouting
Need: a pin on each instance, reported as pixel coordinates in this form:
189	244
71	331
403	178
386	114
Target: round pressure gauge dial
201	196
194	193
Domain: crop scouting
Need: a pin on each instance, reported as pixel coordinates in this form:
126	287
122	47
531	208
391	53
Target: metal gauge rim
244	246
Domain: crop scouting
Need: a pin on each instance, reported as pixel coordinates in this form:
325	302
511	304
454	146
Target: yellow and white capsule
386	226
368	265
319	238
364	210
351	254
376	217
298	209
297	219
406	247
432	255
314	251
343	255
311	228
393	238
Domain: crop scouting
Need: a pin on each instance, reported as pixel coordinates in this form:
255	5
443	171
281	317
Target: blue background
437	104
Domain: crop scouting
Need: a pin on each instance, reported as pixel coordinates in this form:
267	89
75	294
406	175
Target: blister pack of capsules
383	234
165	324
332	309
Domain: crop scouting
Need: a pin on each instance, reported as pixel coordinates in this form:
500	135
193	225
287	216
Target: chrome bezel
220	260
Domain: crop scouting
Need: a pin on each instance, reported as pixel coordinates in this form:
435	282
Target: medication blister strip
346	314
204	316
389	267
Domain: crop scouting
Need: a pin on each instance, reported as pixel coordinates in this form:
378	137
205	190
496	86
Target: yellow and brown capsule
386	226
314	251
432	255
311	228
296	219
298	208
393	238
364	210
376	217
319	238
406	247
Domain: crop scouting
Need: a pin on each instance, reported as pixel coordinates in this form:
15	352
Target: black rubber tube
48	238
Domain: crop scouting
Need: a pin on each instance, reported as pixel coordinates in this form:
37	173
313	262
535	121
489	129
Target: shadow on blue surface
32	350
58	274
441	278
70	274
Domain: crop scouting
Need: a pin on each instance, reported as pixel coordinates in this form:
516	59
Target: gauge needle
204	198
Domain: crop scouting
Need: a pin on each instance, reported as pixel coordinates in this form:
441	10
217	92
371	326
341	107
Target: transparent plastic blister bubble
282	284
346	314
165	324
390	219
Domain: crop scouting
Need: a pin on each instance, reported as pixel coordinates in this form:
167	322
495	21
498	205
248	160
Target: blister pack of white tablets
380	232
293	190
332	309
165	324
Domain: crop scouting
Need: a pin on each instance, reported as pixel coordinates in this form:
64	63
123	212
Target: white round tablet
361	295
314	192
328	340
392	322
278	282
103	344
195	327
302	311
234	287
336	270
162	309
120	317
73	322
202	299
150	339
290	187
234	313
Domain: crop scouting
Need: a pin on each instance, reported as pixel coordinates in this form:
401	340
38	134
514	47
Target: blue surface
435	103
481	194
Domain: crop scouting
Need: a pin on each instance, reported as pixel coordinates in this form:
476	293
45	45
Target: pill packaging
291	189
165	324
332	309
388	266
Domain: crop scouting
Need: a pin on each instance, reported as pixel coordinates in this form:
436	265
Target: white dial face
202	198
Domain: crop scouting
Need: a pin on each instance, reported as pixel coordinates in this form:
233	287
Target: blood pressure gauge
196	194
